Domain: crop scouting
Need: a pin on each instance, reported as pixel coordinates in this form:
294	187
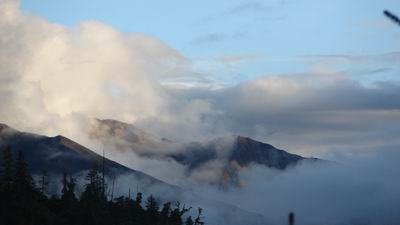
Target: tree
6	190
64	182
44	182
24	204
152	212
139	198
8	169
23	181
68	191
71	189
198	220
291	219
189	221
94	188
138	212
93	200
165	213
177	213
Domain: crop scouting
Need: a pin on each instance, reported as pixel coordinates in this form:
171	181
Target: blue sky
269	37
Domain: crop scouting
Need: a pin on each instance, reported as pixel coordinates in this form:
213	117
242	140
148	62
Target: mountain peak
59	154
3	126
64	141
112	122
244	140
128	135
247	151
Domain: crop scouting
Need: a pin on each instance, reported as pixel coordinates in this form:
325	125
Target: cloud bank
56	75
361	190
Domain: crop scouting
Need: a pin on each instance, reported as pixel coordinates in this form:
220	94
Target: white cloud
52	75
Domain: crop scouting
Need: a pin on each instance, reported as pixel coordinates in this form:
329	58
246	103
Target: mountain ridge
43	152
232	152
60	154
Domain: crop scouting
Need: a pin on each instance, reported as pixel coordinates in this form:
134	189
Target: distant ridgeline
59	154
24	200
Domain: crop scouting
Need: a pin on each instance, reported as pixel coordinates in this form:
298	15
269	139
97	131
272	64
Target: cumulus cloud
54	77
309	113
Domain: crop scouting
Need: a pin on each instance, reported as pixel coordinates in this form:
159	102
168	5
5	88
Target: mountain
126	137
231	153
58	154
241	150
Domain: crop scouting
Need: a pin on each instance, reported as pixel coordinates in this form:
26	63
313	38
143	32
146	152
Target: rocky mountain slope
58	154
230	153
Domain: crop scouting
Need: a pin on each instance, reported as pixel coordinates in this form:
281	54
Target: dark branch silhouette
392	17
291	219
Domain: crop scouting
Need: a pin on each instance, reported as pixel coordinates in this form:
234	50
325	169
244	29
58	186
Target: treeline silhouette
25	202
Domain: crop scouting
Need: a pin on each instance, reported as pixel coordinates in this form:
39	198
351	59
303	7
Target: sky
315	78
254	38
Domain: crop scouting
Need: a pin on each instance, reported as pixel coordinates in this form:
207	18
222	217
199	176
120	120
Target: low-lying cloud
359	190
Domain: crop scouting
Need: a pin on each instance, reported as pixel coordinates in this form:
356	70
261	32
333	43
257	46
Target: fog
360	190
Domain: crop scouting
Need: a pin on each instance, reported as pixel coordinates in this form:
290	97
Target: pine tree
198	220
137	210
165	213
44	182
8	169
139	199
71	188
68	191
94	187
189	221
152	212
64	182
24	204
137	206
7	203
291	218
93	200
177	213
27	200
23	181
